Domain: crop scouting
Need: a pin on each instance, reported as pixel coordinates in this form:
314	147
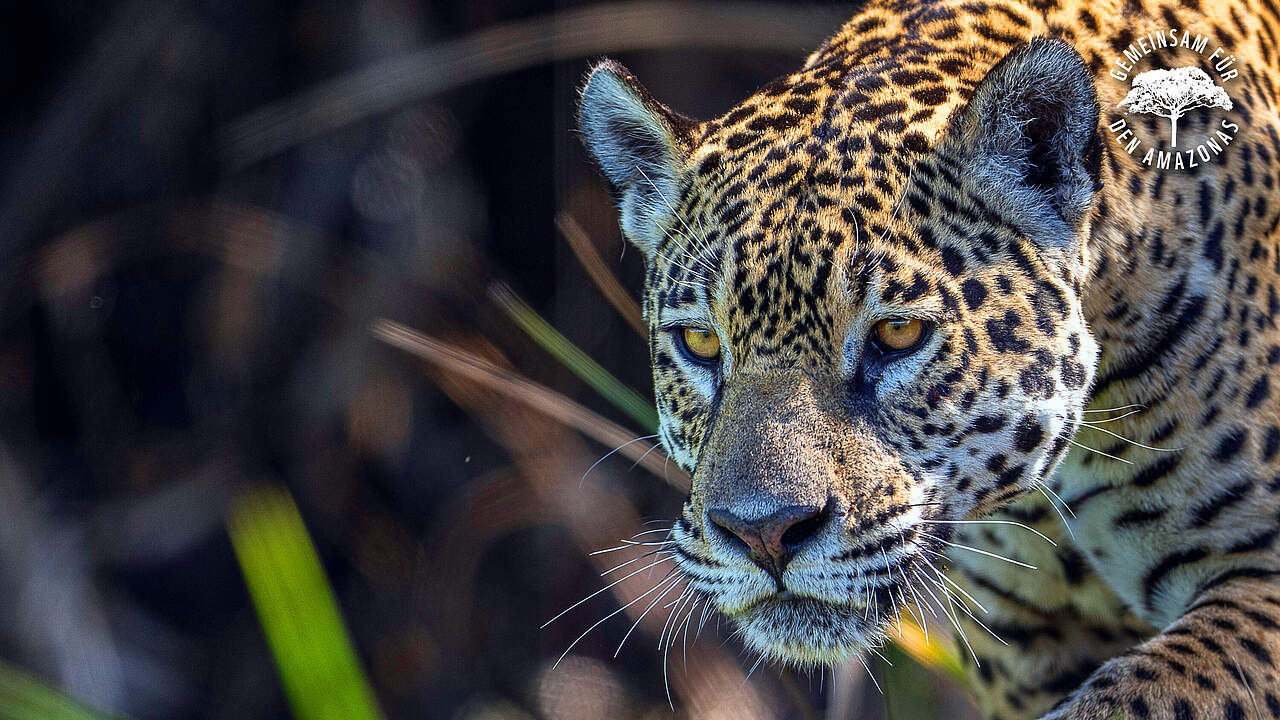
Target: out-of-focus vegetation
589	371
318	341
22	697
318	668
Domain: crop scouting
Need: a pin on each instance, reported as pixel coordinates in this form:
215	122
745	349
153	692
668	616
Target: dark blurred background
204	206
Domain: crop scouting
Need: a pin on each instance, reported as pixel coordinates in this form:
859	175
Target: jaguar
932	343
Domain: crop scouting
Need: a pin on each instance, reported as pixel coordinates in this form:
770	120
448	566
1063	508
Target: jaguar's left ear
1030	133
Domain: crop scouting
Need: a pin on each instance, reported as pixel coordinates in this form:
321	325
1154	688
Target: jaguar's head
865	319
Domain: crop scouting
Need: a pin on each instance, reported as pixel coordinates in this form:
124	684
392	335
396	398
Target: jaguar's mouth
793	629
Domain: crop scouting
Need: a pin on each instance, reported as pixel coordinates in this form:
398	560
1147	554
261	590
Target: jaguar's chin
794	630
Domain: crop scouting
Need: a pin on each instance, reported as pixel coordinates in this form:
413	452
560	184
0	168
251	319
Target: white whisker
1099	452
875	652
600	622
950	616
702	620
956	619
609	454
897	614
994	522
606	587
662	639
1245	680
1110	419
609	550
1049	491
666	681
1131	442
870	674
670	207
645	454
920	605
691	242
874	261
1043	491
1117	409
956	585
638	558
857	233
671	580
984	627
919	620
979	551
684	643
697	275
635	543
901	196
628	546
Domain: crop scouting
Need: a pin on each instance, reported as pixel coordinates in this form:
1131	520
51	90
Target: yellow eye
702	343
897	334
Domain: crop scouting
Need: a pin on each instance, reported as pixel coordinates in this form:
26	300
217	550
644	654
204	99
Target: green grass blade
318	667
909	692
23	697
578	362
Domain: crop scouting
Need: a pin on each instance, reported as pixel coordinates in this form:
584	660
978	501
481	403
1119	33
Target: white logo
1174	94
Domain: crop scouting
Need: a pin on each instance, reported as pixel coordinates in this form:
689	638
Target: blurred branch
156	526
576	33
538	397
56	616
572	357
23	697
598	270
318	666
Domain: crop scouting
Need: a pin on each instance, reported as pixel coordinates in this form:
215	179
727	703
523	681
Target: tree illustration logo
1176	74
1172	94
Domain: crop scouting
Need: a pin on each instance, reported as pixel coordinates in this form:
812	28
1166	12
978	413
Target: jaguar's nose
771	541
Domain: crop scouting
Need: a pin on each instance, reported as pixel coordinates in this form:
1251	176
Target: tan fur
935	160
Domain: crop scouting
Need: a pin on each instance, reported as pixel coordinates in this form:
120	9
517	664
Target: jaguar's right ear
640	145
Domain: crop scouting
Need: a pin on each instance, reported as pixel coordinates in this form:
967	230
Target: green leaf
318	667
22	697
909	692
578	362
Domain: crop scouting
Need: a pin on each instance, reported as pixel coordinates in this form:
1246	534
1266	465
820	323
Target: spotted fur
948	161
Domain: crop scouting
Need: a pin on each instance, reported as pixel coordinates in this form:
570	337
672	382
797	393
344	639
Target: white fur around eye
902	372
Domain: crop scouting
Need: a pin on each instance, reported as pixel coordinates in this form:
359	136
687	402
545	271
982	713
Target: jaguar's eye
899	334
702	344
